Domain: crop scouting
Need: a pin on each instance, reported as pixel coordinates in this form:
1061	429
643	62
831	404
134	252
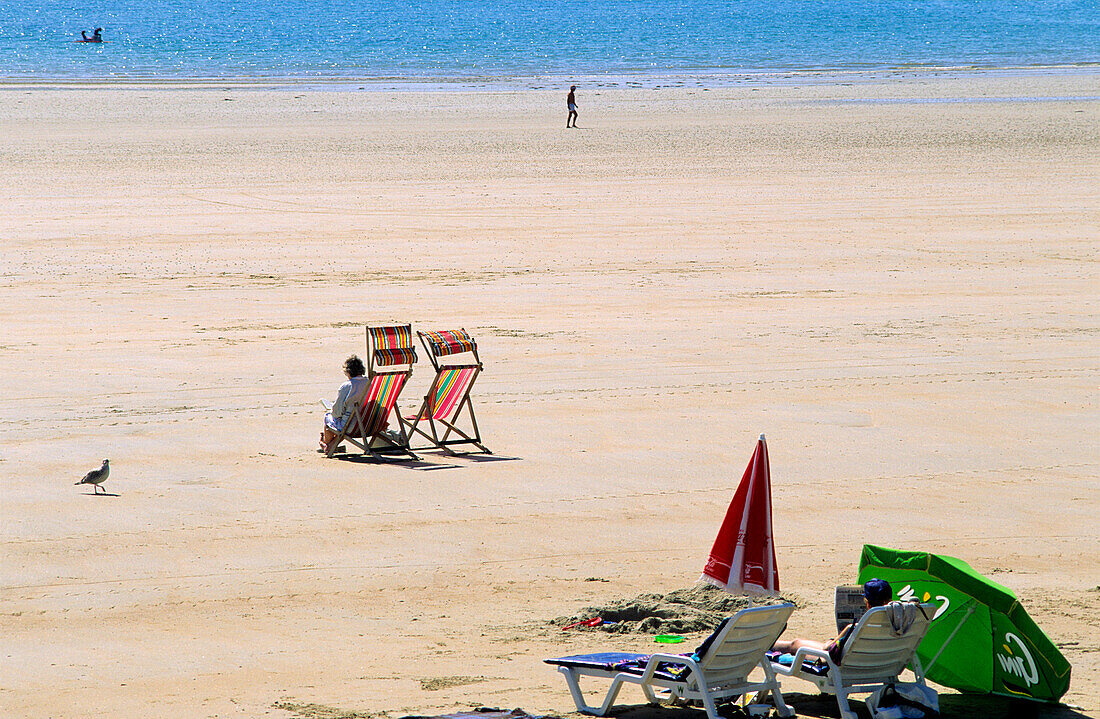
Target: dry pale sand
904	296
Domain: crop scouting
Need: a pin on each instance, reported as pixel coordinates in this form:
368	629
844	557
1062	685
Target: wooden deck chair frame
390	359
873	657
449	394
721	674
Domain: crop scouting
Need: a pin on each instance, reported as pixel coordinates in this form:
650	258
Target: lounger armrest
656	660
800	656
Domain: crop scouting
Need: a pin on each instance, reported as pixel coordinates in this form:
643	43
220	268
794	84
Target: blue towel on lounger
816	668
636	663
625	662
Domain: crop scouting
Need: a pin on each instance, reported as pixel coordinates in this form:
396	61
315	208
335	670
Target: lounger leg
708	702
842	696
781	707
571	678
575	690
842	702
675	697
612	693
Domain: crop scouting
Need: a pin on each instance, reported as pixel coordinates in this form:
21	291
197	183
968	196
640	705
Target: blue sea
440	40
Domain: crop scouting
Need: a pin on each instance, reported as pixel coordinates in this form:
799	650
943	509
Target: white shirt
343	407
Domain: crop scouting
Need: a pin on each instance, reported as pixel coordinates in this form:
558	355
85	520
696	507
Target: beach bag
904	701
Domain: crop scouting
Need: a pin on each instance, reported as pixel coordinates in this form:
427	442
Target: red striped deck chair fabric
390	345
441	412
390	357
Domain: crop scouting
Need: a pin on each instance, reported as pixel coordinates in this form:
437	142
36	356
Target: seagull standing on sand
96	477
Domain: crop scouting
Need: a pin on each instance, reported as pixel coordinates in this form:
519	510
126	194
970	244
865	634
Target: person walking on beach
571	101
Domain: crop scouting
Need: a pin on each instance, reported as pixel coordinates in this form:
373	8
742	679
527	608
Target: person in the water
97	35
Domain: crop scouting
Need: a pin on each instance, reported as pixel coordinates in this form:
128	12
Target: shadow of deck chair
874	656
438	418
718	672
390	357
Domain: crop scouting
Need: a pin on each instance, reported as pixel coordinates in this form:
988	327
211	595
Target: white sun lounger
874	655
720	674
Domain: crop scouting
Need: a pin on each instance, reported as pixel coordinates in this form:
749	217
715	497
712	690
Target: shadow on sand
422	464
415	464
823	706
479	458
991	707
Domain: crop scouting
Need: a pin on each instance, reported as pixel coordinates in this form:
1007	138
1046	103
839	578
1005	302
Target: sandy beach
894	278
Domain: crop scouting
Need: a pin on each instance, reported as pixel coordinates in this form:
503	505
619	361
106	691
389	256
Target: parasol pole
969	611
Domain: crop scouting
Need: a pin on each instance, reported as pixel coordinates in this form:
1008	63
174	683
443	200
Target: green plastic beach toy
668	638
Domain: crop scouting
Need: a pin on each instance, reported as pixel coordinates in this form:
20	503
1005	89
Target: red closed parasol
743	557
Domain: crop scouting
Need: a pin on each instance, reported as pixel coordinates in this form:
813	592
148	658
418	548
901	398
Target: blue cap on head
877	591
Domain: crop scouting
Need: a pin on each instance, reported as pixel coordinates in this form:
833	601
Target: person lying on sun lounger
343	408
876	593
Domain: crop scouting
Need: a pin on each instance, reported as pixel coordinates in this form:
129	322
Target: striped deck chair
449	394
390	357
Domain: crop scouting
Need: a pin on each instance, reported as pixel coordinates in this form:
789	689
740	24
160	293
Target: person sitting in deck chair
876	593
344	406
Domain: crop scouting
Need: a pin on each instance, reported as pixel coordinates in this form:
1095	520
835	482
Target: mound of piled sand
694	609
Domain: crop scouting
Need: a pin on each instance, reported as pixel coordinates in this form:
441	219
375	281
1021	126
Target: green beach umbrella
981	640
